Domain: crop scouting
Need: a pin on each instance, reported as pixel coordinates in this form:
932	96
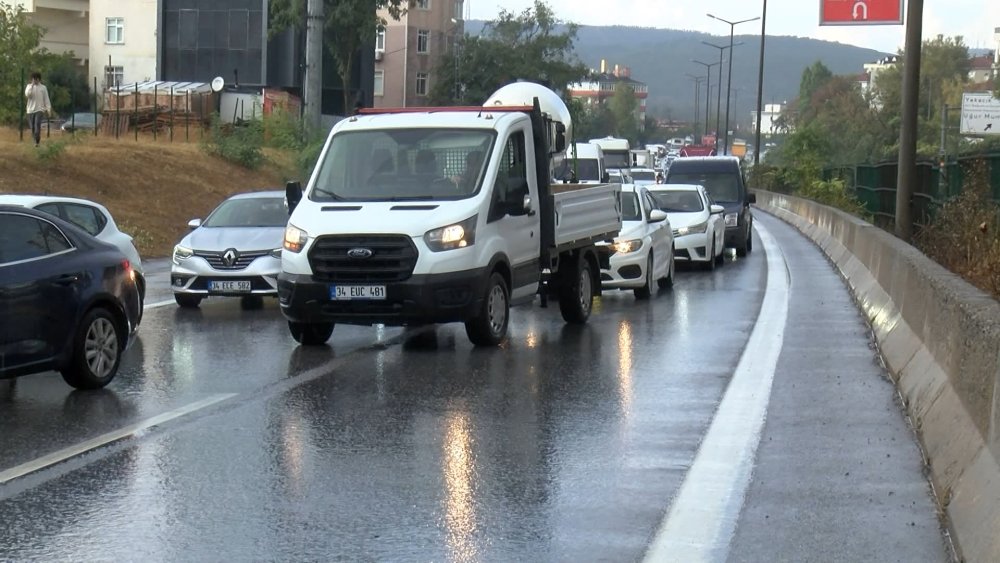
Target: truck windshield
403	164
617	159
587	170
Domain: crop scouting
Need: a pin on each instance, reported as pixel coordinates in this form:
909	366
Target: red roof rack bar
442	109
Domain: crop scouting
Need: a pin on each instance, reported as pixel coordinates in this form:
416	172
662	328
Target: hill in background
662	57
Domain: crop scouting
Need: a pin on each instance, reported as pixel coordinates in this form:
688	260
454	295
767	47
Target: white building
65	24
770	121
875	68
94	30
123	41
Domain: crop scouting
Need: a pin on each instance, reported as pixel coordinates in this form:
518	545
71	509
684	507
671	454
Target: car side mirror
293	195
753	197
716	209
194	224
606	178
657	216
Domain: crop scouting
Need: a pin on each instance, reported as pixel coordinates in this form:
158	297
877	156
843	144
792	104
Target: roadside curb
940	339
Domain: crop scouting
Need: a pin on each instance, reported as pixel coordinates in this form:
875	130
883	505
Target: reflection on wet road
567	443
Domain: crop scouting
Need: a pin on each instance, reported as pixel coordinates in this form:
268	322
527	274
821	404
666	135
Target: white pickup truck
436	215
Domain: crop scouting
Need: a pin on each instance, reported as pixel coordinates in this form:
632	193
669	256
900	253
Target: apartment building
123	41
408	50
601	88
66	24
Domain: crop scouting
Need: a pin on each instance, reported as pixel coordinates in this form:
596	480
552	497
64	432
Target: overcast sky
973	19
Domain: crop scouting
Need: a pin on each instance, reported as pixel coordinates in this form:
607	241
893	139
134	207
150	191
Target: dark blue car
68	302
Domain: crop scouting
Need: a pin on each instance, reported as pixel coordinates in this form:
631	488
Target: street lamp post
760	86
708	87
697	98
718	102
732	26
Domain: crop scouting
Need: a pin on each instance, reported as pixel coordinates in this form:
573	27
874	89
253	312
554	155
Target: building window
423	4
422	83
114	31
380	40
423	41
379	87
114	76
459	9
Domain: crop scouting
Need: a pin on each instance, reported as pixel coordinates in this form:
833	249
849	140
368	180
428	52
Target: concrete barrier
940	338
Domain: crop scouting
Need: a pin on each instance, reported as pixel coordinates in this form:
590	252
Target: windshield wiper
331	195
411	198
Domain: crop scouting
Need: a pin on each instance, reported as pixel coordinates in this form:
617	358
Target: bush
835	194
964	235
240	144
50	151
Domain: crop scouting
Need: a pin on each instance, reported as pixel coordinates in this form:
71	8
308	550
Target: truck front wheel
489	327
576	292
311	334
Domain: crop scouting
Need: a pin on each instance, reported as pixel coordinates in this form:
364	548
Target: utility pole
313	87
760	87
718	102
708	88
907	174
697	98
729	81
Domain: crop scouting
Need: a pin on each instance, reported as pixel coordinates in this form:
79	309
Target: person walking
37	96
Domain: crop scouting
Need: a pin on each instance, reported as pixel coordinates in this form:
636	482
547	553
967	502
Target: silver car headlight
732	219
693	229
627	246
182	253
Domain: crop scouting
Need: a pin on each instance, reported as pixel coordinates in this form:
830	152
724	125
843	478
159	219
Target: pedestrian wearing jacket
37	96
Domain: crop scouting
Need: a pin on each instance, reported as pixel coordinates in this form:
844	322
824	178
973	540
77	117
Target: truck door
519	228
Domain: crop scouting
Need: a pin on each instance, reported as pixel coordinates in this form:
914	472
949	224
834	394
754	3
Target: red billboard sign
861	12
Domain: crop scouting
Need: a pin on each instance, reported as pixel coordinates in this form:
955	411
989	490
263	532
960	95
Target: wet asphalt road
568	443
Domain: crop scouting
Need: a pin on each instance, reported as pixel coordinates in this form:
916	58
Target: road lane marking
158	304
108	438
703	517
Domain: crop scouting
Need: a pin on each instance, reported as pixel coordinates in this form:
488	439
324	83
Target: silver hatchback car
235	252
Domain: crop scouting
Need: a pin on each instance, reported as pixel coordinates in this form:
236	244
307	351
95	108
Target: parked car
68	302
698	227
643	252
93	218
722	178
236	251
81	121
643	176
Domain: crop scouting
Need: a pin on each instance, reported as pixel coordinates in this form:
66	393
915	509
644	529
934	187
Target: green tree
624	107
65	80
18	43
353	24
530	45
813	78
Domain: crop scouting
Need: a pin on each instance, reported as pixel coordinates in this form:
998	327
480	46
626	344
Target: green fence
875	184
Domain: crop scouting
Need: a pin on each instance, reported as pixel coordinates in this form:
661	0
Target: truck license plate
238	286
349	292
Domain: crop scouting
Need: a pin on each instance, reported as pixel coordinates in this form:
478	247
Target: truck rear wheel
576	292
311	334
489	327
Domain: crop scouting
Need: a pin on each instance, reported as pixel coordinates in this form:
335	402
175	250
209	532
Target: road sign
861	12
980	114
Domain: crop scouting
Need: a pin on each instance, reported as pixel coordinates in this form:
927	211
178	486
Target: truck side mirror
606	178
753	197
560	139
293	195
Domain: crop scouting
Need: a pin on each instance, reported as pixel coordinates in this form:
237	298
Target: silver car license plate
236	286
351	292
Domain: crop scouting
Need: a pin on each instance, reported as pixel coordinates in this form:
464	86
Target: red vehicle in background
698	150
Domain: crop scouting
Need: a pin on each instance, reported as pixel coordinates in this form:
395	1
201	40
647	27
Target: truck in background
584	164
616	152
436	215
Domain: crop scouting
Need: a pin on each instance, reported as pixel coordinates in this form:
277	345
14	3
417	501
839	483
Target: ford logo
360	253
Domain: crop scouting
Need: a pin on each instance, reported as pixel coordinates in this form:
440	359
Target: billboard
980	114
861	12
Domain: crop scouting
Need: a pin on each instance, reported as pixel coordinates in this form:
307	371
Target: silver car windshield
249	212
403	164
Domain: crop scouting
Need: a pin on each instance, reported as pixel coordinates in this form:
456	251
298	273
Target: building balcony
82	6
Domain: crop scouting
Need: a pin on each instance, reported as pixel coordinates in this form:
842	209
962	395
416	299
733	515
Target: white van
586	166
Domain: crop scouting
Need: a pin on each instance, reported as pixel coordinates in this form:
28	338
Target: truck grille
392	258
217	261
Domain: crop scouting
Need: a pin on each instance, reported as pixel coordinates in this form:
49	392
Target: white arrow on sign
860	10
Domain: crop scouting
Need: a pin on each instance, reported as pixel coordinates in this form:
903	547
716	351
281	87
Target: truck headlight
459	235
627	246
182	253
693	229
732	219
295	239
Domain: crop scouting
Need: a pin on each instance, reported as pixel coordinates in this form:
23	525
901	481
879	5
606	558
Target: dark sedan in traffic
68	302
